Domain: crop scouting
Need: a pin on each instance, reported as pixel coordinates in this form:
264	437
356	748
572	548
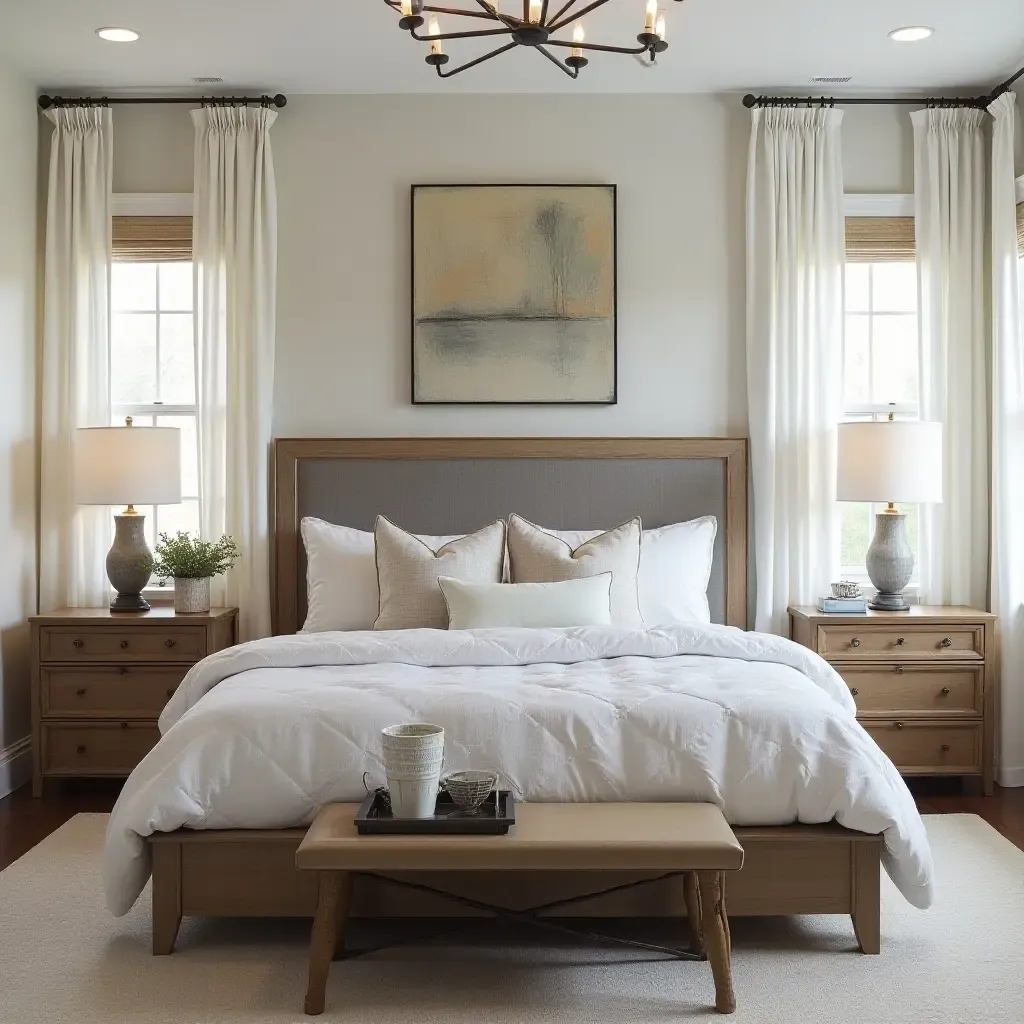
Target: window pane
176	286
895	371
855	535
133	358
894	287
132	286
185	516
189	452
856	389
857	287
177	364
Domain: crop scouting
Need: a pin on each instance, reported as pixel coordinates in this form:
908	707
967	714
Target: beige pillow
536	556
407	572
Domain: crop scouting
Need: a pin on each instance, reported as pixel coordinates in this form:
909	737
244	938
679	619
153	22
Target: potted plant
192	563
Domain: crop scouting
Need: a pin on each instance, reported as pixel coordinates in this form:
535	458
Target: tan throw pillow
407	572
536	556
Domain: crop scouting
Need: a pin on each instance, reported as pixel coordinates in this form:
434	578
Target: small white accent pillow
341	575
538	556
675	569
582	602
408	570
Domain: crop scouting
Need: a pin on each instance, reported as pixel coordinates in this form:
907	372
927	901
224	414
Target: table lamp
890	461
122	466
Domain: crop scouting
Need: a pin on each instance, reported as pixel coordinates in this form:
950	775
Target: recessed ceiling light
118	35
910	33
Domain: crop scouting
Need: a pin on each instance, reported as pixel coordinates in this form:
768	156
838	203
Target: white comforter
262	735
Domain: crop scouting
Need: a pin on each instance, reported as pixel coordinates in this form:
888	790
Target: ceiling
335	46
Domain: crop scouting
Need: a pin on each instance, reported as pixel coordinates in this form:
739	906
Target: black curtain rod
979	102
45	102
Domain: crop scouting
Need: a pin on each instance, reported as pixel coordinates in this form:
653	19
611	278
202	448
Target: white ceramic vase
191	596
413	758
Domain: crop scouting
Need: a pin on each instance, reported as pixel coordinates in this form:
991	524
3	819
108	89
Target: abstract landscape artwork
514	294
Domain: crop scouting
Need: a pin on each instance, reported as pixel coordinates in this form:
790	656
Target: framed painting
514	294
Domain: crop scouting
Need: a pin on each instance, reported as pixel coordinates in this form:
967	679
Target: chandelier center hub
531	35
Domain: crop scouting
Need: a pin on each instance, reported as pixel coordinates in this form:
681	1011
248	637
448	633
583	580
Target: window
152	364
881	361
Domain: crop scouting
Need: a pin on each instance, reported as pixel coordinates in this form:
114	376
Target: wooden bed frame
794	869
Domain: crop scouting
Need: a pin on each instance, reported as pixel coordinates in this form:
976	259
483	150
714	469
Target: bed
438	486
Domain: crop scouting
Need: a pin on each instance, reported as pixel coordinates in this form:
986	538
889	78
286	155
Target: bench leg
716	936
692	895
334	896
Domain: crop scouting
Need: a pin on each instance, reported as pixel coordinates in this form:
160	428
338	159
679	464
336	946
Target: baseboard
15	766
1011	778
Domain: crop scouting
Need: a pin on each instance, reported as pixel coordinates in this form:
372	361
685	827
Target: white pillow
537	556
675	569
341	576
582	602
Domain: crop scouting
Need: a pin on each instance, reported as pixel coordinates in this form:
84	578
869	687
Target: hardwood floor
25	821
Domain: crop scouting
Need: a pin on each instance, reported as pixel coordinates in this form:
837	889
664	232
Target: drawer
171	643
108	691
909	641
903	688
95	748
930	748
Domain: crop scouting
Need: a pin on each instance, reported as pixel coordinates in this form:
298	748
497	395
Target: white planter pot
191	596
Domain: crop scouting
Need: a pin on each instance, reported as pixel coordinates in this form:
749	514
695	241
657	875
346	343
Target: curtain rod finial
45	102
280	100
749	100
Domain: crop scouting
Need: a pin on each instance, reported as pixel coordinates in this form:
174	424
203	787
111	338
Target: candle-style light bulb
651	16
434	29
536	7
659	26
578	35
406	8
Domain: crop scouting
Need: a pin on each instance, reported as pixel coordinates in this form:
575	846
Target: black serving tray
374	818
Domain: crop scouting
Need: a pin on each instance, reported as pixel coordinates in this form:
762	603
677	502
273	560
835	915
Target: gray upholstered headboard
453	485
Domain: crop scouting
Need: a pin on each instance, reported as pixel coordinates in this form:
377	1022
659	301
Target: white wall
18	268
344	167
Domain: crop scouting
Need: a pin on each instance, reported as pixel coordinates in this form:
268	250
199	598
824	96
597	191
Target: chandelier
536	28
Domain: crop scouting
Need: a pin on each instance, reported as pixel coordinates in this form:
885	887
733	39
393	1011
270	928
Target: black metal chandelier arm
635	51
577	15
473	63
575	73
562	11
505	19
460	13
461	35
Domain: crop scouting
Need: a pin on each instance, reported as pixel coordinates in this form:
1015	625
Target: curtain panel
795	257
73	539
234	251
1007	569
949	211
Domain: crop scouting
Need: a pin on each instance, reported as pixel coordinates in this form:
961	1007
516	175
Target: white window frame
154	204
877	205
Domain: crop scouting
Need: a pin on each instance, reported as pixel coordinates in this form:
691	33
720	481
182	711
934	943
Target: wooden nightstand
924	682
100	680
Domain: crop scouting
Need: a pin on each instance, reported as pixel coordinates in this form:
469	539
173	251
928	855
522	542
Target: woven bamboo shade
152	239
880	240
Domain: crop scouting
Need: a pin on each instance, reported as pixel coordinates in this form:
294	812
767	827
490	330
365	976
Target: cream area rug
63	958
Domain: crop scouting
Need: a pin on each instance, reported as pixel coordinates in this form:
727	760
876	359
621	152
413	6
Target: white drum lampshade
127	466
895	460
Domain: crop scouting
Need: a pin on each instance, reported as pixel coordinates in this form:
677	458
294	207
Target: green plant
183	557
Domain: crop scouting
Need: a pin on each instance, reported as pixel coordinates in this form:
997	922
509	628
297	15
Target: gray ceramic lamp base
890	562
129	564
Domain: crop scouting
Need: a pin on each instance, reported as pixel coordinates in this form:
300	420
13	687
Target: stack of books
843	605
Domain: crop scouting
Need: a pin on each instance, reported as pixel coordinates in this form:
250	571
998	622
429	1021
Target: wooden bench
689	839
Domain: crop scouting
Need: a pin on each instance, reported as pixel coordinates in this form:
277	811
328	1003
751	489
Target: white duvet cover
262	735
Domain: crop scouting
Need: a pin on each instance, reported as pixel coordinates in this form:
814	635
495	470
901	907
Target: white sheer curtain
949	193
73	540
795	257
1007	441
235	254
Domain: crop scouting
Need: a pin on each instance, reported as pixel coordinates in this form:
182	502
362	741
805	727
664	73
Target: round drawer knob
124	725
169	643
900	670
855	642
124	643
76	643
945	691
946	748
901	641
80	692
899	725
80	749
854	691
946	642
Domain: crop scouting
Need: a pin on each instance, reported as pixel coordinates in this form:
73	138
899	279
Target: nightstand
100	680
923	680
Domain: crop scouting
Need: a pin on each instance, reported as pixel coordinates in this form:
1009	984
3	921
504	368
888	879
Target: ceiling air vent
832	79
207	81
